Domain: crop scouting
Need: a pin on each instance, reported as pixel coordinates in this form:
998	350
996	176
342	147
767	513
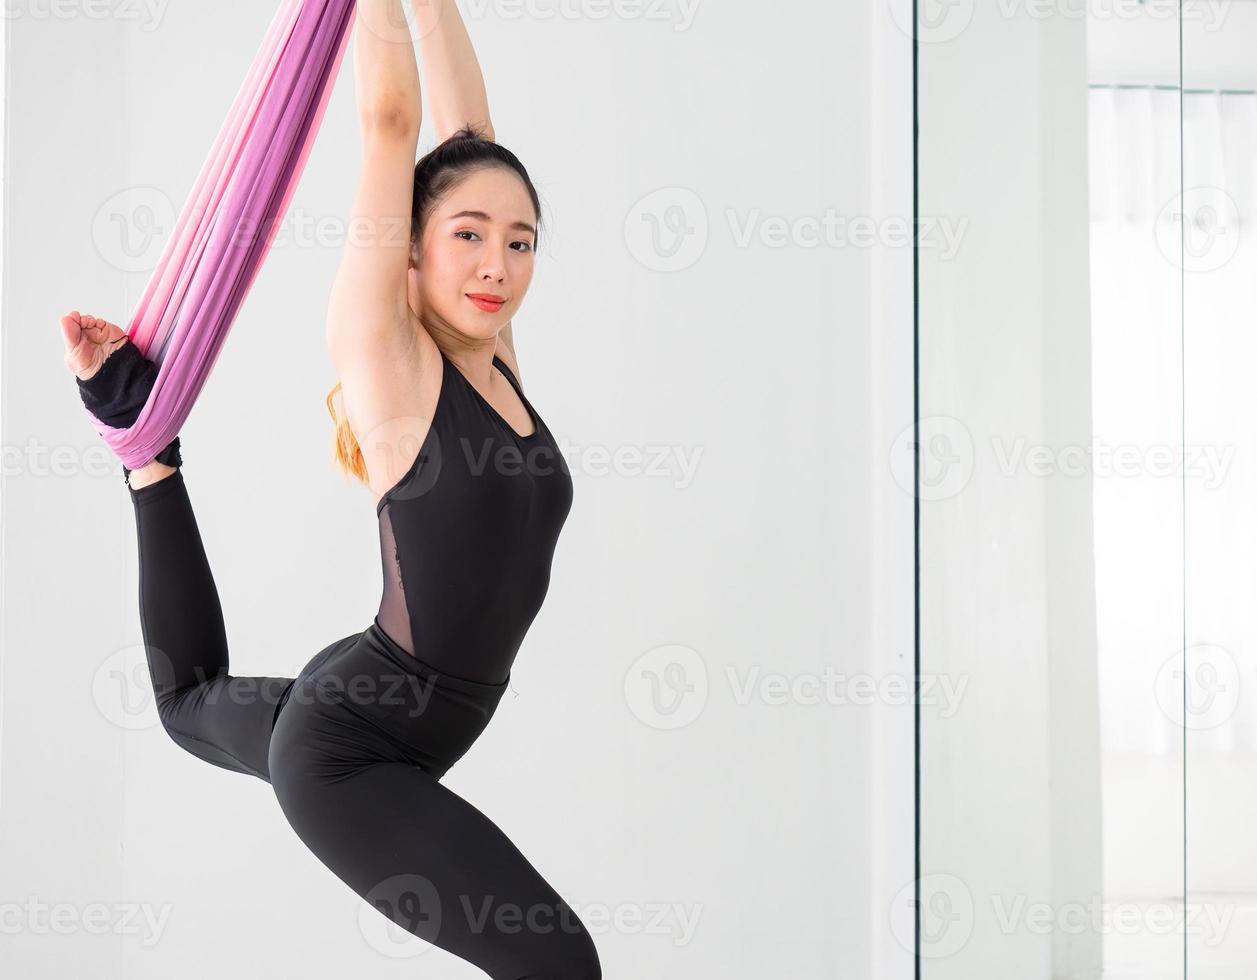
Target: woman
471	494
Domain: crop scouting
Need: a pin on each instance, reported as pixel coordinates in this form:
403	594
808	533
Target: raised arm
385	71
455	85
456	95
367	310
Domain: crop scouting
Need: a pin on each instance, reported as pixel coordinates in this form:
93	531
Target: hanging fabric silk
230	219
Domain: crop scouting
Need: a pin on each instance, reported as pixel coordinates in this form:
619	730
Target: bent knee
173	722
215	755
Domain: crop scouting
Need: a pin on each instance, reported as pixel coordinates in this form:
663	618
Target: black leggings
354	748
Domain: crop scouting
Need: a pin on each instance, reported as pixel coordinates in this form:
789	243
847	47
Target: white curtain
1136	385
1161	333
1220	339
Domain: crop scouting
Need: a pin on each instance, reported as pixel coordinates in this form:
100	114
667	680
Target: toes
71	331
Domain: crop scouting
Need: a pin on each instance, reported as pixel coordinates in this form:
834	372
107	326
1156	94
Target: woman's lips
488	305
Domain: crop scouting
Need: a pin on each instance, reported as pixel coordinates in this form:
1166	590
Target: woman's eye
527	246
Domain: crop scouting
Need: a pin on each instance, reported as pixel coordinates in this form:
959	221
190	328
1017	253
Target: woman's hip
364	699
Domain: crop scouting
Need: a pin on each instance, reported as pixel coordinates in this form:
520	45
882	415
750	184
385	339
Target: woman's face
478	242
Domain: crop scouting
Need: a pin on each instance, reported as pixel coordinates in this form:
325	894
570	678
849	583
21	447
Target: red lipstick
487	301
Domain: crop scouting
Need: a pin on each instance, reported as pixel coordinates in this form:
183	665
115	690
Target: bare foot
89	341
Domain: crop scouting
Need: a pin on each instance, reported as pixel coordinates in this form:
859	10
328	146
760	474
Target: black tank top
468	533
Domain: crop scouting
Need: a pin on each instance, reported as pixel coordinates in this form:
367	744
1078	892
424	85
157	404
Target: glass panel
1220	308
1051	512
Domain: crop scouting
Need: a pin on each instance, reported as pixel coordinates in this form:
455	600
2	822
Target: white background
784	830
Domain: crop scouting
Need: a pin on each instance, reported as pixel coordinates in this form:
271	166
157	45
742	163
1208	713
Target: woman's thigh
419	853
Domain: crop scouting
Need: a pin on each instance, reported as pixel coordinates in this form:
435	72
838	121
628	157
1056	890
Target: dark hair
436	173
450	161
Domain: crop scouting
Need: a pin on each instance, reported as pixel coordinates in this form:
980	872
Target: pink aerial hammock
230	219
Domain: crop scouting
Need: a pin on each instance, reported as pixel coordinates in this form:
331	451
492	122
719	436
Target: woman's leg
222	719
423	856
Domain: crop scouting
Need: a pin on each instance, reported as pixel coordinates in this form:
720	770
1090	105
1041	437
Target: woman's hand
88	341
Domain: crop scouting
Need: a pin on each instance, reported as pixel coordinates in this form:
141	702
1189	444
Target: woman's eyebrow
519	225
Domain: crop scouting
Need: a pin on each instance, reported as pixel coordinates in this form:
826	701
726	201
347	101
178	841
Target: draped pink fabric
230	219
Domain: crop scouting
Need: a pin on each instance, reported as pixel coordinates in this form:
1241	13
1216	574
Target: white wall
782	830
